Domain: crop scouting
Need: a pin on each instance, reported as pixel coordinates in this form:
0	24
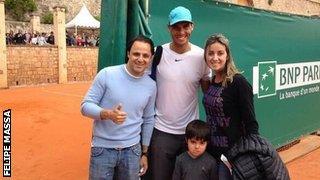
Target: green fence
278	54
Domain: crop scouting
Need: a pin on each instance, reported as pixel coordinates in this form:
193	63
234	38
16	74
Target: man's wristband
144	154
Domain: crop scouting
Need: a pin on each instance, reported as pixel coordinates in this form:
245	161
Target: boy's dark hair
198	129
140	38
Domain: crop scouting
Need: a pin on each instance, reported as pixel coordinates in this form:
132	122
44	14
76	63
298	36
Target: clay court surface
51	139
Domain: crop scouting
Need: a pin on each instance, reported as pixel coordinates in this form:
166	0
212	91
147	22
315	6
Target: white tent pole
147	11
147	7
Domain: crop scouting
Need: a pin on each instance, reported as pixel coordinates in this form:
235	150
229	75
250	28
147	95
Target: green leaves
47	18
18	8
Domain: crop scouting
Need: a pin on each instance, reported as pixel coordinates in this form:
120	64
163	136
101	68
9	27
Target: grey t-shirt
201	168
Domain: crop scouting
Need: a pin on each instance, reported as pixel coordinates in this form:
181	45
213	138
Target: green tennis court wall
279	54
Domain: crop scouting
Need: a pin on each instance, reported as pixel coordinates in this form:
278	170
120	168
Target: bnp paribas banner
286	81
279	54
287	96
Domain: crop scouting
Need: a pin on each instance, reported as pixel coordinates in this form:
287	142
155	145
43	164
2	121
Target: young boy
196	163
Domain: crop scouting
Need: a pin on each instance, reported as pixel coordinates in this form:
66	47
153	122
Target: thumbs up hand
119	107
117	115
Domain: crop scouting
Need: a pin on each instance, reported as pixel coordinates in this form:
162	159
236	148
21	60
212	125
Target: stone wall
28	65
301	7
82	63
32	65
15	26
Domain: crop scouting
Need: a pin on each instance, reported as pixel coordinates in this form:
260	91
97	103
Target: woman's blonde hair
230	68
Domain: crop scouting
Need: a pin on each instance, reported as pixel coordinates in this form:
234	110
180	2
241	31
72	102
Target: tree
18	8
47	18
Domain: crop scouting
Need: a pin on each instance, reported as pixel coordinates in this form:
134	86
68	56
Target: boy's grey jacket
254	158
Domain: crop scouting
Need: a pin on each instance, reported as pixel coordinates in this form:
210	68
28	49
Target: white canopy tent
83	20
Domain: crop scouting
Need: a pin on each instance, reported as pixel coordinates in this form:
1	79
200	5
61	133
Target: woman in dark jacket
228	102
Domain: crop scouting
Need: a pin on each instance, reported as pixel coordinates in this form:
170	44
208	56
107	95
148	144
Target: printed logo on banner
267	80
288	80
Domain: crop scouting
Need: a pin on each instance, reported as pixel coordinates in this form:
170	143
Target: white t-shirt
178	80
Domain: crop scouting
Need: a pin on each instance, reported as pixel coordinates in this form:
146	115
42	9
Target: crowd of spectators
41	39
82	40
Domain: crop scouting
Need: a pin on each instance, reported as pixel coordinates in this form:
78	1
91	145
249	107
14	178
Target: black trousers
164	148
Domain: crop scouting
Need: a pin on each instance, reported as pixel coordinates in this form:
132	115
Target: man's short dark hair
198	129
141	38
